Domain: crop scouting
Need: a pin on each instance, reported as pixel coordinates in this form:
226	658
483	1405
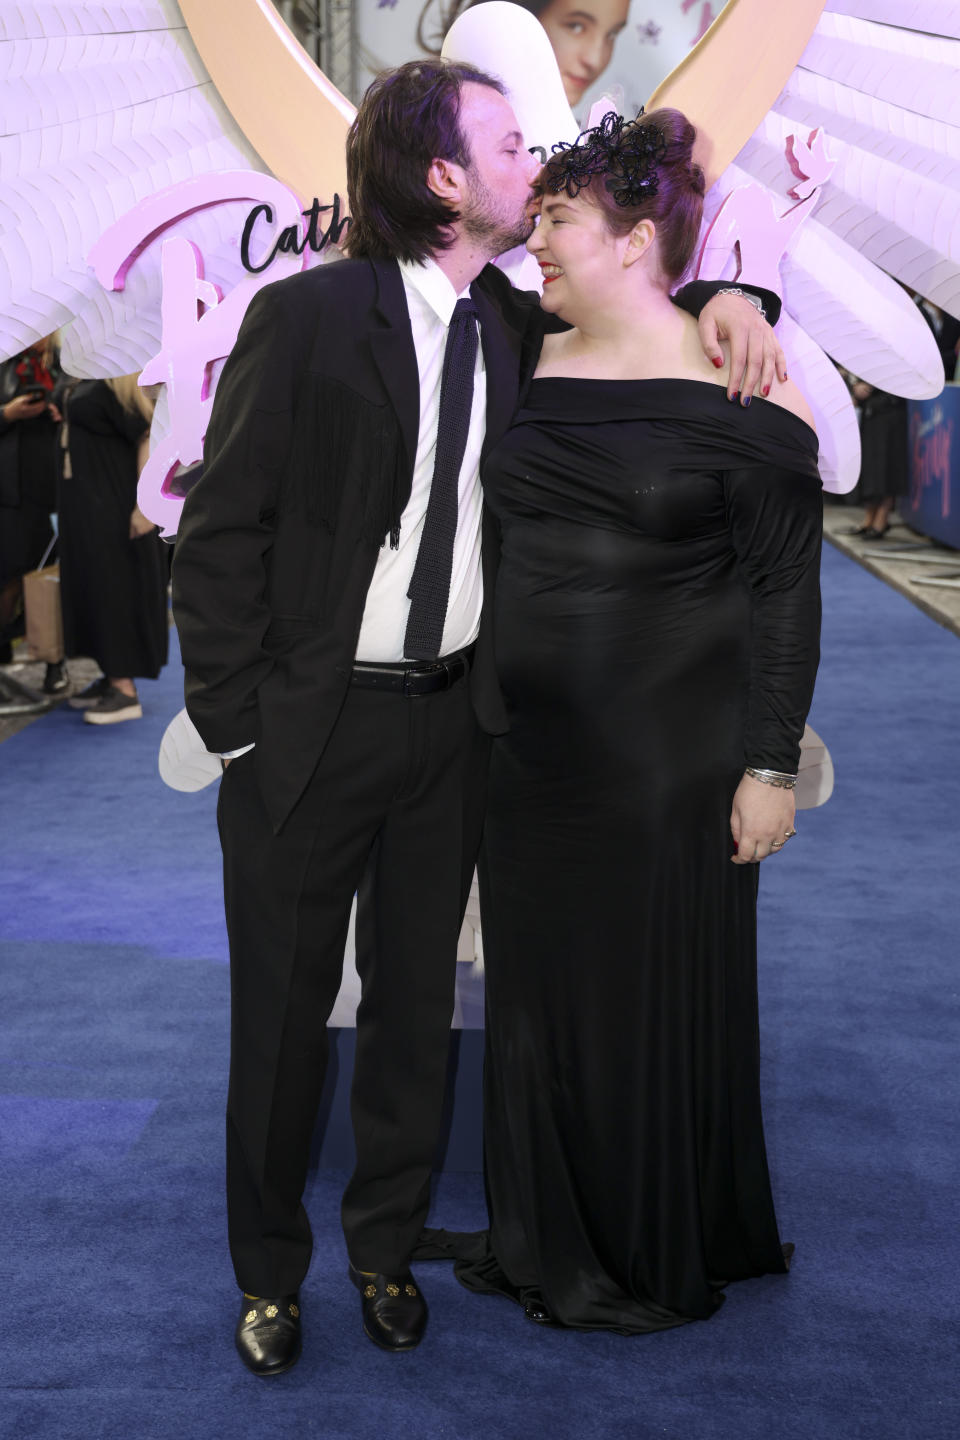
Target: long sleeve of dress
775	517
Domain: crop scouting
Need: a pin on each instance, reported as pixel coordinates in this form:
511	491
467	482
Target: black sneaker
56	679
112	707
91	695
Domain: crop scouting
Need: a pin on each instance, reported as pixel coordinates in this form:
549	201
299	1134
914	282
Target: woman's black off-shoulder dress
657	624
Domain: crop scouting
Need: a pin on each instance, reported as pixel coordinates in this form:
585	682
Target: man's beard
492	228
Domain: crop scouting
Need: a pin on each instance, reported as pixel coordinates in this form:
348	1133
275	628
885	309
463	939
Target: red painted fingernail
718	361
785	375
734	396
765	391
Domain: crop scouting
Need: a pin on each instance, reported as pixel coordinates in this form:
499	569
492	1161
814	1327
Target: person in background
946	332
113	565
884	468
582	33
28	482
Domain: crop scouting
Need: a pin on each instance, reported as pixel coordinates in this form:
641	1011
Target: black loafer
393	1309
268	1334
535	1309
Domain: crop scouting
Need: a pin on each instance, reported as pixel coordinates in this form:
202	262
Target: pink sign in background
199	324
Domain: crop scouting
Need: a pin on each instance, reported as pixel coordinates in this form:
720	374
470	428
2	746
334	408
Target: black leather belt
413	677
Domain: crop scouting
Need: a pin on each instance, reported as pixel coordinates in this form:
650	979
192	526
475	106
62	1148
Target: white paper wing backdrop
890	100
882	79
101	106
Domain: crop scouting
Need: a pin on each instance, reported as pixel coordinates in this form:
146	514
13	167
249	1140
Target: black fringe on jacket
337	433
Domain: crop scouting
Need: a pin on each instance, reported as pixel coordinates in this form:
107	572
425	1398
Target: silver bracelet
754	300
773	777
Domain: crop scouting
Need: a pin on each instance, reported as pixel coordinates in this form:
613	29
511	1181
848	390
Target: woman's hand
761	820
23	407
755	353
139	524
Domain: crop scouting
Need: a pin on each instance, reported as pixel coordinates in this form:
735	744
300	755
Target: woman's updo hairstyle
638	170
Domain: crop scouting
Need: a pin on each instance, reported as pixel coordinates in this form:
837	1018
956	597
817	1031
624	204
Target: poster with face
601	46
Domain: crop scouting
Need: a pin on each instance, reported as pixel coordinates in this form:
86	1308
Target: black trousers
395	810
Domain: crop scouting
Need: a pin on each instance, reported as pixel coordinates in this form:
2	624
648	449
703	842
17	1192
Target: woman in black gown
114	566
657	620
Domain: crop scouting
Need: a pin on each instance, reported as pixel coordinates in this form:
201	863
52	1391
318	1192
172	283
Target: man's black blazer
308	464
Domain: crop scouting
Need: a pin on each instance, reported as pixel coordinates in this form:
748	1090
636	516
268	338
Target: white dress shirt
430	301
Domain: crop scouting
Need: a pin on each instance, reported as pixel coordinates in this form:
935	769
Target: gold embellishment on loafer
271	1312
393	1290
369	1292
250	1316
410	1289
295	1311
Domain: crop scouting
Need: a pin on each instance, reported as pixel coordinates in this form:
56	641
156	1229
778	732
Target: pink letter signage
199	325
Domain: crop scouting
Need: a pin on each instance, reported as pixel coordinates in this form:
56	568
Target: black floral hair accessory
625	153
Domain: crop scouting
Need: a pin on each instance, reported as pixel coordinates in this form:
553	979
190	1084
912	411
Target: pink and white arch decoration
107	111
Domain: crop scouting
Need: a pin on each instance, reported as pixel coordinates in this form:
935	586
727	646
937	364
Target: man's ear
447	181
639	241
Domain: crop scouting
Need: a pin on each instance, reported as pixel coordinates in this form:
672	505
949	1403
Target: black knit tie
430	585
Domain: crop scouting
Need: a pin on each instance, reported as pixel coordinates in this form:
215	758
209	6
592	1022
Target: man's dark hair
408	118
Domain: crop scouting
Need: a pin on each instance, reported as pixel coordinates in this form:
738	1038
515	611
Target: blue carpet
117	1293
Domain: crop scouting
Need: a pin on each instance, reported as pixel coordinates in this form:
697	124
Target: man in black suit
357	721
